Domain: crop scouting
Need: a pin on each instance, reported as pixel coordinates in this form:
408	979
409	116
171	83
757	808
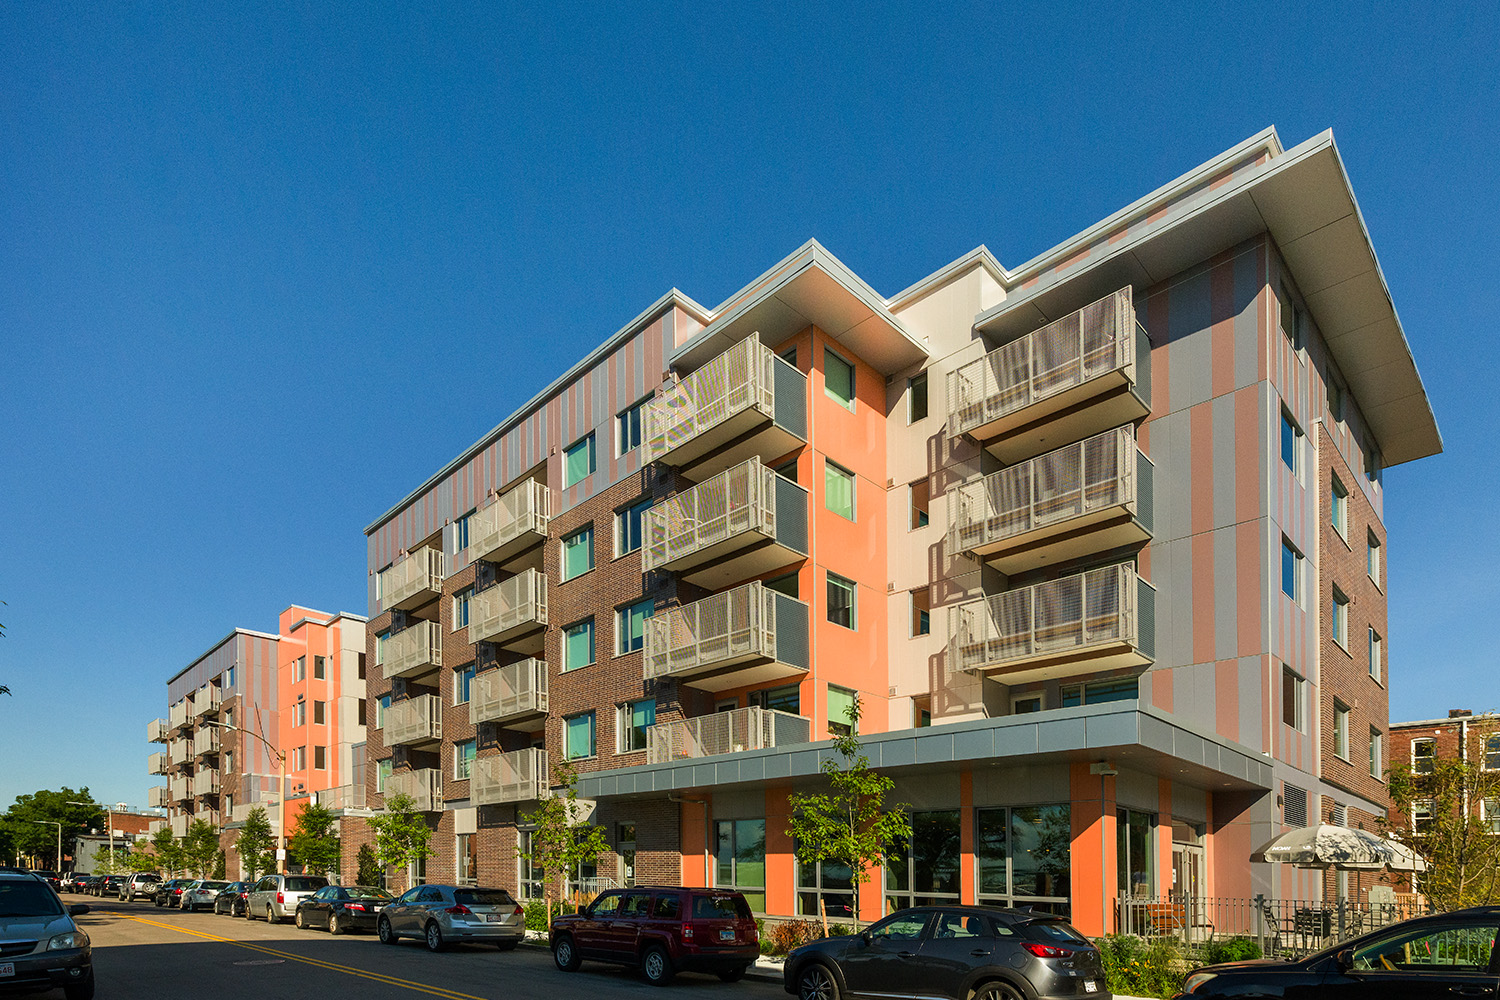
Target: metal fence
738	379
519	510
412	650
516	776
734	625
752	728
414	720
425	787
1281	927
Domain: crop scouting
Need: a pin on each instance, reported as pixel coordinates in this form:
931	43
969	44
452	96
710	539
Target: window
838	379
382	706
1135	852
1372	557
463	683
1023	857
381	638
630	625
1492	752
320	758
628	429
1489	815
578	645
924	871
320	668
579	741
299	759
840	708
842	599
461	532
838	490
361	712
578	553
921	612
382	774
921	498
1291	444
1376	653
1025	704
1290	318
578	461
1340	518
789	356
830	883
787	698
635	719
1374	752
463	857
1340	618
530	876
229	678
1372	465
461	601
1292	698
628	530
1341	730
1335	398
299	714
1293	805
463	759
301	668
740	859
1291	571
320	713
916	398
921	713
784	584
1074	695
361	673
1423	756
787	470
1421	814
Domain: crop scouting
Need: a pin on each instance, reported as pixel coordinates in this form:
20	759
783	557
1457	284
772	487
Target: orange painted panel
781	871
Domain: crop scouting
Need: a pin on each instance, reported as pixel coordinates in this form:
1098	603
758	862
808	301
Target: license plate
7	969
493	918
376	909
726	935
1089	986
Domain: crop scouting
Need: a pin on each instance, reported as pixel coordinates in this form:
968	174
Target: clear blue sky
261	274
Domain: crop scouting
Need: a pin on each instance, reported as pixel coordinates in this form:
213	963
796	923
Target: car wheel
249	913
816	983
83	990
270	914
732	975
434	936
334	927
300	920
506	945
996	991
657	966
565	954
386	931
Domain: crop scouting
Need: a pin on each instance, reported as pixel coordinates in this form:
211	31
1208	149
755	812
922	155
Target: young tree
369	872
402	837
106	862
141	860
256	846
560	842
314	843
168	851
1444	799
849	825
200	848
220	863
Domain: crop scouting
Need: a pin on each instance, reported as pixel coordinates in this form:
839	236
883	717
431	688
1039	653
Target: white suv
275	897
140	886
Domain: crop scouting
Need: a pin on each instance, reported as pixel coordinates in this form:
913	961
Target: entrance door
1187	882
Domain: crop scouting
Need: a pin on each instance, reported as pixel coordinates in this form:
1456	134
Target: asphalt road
145	953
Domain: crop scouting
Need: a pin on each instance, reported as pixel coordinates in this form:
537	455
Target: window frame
1376	754
463	682
918	517
1298	569
623	624
625	727
831	470
463	761
624	430
843	583
1298	444
567	544
588	624
919	626
830	354
839	728
1373	559
1375	651
912	384
320	667
1340	618
622	526
1293	697
459	617
1423	763
1341	717
593	732
1339	514
585	442
751	890
1004	865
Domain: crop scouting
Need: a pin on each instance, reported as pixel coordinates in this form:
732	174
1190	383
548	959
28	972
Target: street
145	953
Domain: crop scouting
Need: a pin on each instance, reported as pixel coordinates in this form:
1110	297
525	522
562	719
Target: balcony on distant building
157	731
412	652
156	764
512	613
424	787
413	581
206	741
159	797
414	722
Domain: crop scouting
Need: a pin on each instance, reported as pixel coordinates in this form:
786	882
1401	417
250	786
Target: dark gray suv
40	946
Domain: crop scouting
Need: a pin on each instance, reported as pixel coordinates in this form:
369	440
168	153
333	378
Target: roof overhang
809	288
1303	199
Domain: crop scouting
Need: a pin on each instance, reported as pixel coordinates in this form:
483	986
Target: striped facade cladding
253	655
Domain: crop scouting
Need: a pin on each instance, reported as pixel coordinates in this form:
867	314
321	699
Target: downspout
706	848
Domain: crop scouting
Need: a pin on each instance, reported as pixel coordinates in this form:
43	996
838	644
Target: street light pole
280	791
53	822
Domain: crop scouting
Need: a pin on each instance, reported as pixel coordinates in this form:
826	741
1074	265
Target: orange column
1164	883
693	817
968	880
1093	866
781	869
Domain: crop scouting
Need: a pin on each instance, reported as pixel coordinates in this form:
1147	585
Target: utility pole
280	792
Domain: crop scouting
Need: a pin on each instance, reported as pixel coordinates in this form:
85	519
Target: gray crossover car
40	946
142	886
275	897
443	914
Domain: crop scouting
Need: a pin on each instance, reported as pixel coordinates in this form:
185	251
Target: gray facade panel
1190	320
976	745
1014	741
898	753
1110	731
1226	593
936	750
1224	459
1252	704
1061	734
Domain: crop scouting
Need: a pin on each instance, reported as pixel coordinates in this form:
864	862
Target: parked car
343	908
169	893
44	949
231	898
76	882
984	952
50	877
443	914
141	886
275	897
200	894
109	885
662	931
1444	955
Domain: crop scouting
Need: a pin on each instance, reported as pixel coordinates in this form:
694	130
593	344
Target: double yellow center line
436	991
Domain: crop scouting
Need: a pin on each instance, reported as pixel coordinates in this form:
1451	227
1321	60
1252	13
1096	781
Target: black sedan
109	885
343	908
1445	955
959	952
169	894
231	898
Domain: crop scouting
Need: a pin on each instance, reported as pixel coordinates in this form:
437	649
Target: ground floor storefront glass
1024	856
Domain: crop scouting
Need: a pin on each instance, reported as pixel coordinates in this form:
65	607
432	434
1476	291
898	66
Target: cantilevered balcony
180	788
178	716
178	751
414	722
1093	622
725	732
206	741
517	776
424	787
742	523
1076	376
414	651
511	530
745	402
743	636
513	696
179	825
512	613
414	581
157	731
206	701
156	764
159	797
1088	497
206	782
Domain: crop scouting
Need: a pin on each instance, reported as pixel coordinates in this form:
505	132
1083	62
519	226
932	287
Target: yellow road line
378	977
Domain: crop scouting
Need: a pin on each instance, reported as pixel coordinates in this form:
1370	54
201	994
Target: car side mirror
77	909
1345	959
865	938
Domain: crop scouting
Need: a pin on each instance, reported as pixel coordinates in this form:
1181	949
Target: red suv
662	930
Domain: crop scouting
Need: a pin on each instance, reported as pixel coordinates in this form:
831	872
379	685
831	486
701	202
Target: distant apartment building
253	698
1097	544
1461	736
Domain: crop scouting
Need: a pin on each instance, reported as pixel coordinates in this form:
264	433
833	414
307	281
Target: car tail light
281	897
355	906
1047	950
687	932
518	912
459	909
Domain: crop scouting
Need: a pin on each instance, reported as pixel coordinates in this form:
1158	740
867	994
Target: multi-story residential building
1461	736
1064	532
251	698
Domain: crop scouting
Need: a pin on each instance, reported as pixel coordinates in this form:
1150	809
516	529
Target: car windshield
1055	930
720	908
28	898
305	884
367	892
482	897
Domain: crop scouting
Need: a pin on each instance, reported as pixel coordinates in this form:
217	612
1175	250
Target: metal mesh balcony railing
206	782
157	763
206	741
179	825
206	701
519	511
159	797
1053	618
420	571
509	692
413	650
1092	475
156	731
178	751
737	624
341	797
517	776
424	787
508	606
415	720
725	732
735	381
181	787
177	715
735	502
1083	345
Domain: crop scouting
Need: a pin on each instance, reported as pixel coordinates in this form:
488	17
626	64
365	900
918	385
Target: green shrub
1236	949
792	934
1141	968
536	913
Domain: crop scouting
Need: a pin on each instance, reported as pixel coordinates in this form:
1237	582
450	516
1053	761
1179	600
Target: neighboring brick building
1034	521
1461	735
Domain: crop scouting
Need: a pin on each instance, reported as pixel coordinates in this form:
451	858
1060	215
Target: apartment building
252	699
1065	532
1461	736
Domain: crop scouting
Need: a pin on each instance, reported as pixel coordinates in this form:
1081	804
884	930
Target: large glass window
838	490
628	527
1126	689
463	759
579	461
1134	854
580	736
1291	444
635	718
1023	856
1293	698
829	882
630	625
578	553
787	698
840	705
461	532
628	429
838	379
740	859
842	601
461	607
925	870
578	645
530	876
463	683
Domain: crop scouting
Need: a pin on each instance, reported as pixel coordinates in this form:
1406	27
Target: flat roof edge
218	645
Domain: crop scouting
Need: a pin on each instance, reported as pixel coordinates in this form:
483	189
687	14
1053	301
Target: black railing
1280	927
